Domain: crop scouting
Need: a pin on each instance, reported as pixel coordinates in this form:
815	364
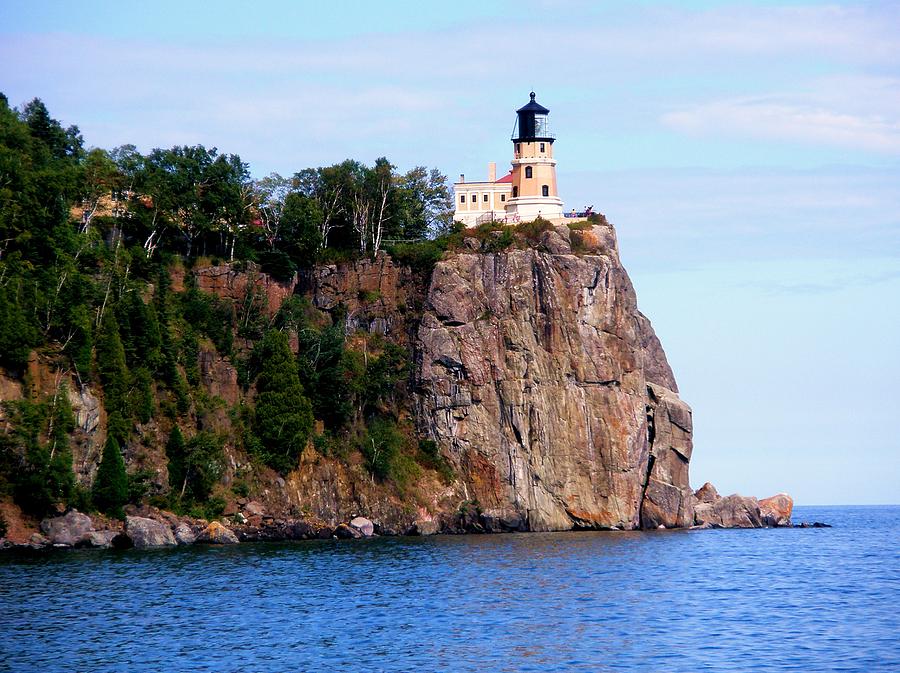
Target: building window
528	171
515	192
542	147
545	190
485	198
474	198
462	198
503	197
518	148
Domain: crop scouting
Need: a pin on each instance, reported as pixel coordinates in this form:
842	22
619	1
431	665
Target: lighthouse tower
534	190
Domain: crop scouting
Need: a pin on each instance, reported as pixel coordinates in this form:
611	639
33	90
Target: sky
747	152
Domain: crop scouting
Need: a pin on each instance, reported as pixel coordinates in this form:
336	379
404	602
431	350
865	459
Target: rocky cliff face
534	372
549	392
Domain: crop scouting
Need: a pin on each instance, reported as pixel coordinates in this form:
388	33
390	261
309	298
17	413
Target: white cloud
860	113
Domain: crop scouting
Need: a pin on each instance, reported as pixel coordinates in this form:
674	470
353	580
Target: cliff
549	391
545	390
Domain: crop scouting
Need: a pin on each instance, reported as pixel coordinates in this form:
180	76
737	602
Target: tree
111	366
424	203
16	333
301	228
110	492
100	179
194	466
283	415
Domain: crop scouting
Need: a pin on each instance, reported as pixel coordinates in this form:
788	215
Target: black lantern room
532	123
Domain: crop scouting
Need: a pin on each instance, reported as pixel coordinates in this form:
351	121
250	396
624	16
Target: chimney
462	177
492	172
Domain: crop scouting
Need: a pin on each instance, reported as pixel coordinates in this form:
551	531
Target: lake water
716	600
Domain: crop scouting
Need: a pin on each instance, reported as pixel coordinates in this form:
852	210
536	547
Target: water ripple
765	600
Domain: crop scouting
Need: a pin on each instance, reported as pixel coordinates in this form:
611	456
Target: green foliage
110	492
209	315
240	489
283	414
139	485
38	472
194	466
420	256
500	241
140	332
111	367
430	456
381	446
16	333
142	401
277	264
531	231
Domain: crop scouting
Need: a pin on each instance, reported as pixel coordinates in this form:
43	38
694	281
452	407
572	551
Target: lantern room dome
534	107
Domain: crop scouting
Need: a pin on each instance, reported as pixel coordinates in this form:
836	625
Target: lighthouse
529	190
534	190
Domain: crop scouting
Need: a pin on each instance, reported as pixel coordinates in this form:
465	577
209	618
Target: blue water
736	600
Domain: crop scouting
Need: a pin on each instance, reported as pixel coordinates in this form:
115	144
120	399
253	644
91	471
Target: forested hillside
90	241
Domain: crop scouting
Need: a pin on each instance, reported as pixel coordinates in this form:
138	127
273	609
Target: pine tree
110	491
284	417
111	366
175	454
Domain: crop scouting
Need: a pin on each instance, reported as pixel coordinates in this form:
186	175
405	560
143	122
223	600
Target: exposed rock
707	493
254	508
667	499
71	529
230	282
535	377
85	407
776	511
556	241
184	534
733	511
345	532
216	533
101	539
219	376
472	243
363	525
147	533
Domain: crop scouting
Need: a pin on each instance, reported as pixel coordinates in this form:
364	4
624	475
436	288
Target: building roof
506	178
534	106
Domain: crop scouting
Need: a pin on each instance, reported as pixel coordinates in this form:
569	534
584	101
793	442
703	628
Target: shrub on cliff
283	415
110	492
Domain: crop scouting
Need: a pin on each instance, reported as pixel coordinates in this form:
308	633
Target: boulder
776	511
216	533
101	539
147	533
363	525
254	508
68	530
345	532
734	511
184	534
556	242
707	493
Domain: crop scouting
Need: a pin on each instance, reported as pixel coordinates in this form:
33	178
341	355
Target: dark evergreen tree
111	366
110	492
283	415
